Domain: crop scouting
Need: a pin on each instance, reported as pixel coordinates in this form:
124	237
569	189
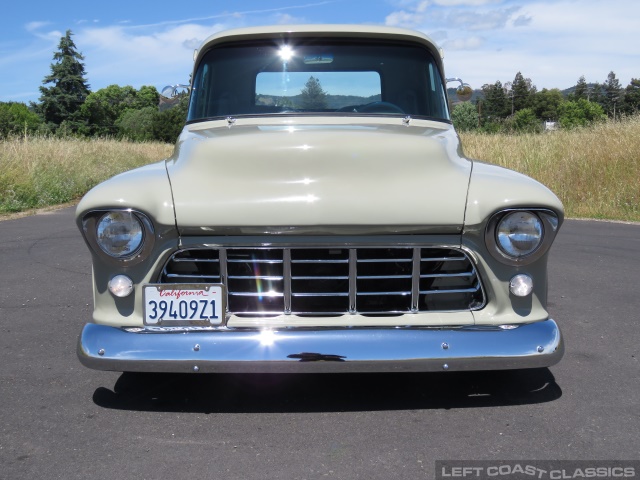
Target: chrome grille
327	281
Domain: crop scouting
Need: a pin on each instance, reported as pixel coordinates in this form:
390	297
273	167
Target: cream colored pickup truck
318	215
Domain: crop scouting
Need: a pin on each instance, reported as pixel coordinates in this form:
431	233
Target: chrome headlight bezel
90	225
547	224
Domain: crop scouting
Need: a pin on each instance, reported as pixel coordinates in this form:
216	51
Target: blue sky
151	43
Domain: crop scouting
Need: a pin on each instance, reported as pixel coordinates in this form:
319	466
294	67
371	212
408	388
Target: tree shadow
227	393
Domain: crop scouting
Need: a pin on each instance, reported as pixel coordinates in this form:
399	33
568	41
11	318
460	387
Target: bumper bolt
540	349
445	346
196	348
101	352
445	366
196	369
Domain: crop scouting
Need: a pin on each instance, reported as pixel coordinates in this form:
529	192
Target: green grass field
595	171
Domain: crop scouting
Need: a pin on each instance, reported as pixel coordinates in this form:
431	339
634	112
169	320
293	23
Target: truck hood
318	178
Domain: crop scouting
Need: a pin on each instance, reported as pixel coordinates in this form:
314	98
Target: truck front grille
330	281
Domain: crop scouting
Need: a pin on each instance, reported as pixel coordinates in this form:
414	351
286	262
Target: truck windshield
318	76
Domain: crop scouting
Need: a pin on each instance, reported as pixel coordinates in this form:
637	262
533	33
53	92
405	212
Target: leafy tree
631	103
102	108
612	94
168	124
579	113
146	96
16	118
137	125
312	96
581	90
61	101
525	120
545	103
465	116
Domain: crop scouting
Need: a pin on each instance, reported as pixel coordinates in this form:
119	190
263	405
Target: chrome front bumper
531	345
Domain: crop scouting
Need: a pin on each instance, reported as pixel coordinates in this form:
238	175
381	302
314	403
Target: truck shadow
226	393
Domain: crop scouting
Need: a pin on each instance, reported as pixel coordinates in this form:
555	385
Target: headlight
519	234
119	233
520	237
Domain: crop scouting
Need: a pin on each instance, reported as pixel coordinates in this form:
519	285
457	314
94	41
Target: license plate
183	304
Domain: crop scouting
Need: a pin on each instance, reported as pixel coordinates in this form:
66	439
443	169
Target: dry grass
36	172
595	171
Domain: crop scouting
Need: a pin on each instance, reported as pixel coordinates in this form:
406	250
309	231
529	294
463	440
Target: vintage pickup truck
318	215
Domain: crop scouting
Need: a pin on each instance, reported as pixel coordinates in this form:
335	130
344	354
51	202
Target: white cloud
237	15
552	42
469	43
121	55
457	15
33	26
404	19
286	19
161	52
125	53
192	43
476	20
522	21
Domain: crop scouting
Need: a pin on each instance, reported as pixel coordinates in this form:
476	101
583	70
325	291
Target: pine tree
632	97
495	104
581	90
612	95
61	102
313	97
596	94
521	91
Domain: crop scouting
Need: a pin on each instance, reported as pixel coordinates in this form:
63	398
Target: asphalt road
59	420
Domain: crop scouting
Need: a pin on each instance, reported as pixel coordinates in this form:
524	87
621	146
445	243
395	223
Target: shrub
17	119
465	117
137	125
580	113
525	120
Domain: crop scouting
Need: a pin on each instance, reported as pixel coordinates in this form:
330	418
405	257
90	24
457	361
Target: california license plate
183	304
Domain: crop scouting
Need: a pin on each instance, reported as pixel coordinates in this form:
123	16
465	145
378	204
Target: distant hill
477	93
334	102
341	101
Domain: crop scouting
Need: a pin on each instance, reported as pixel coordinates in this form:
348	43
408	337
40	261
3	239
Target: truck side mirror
171	94
464	90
